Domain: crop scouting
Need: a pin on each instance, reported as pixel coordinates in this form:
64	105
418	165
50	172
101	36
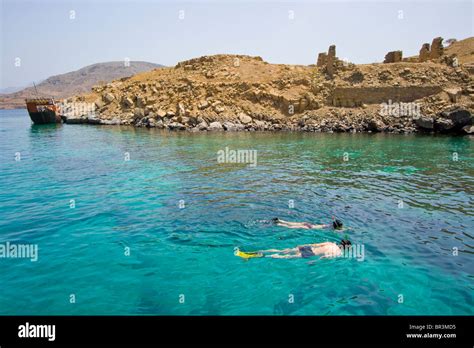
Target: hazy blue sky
48	41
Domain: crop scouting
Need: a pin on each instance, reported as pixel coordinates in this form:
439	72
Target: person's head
345	244
337	224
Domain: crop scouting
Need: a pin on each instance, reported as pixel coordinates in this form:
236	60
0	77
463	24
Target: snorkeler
336	224
326	250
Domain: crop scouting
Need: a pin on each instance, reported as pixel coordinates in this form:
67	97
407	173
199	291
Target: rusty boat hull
43	110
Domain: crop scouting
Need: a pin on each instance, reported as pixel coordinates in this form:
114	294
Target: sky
48	37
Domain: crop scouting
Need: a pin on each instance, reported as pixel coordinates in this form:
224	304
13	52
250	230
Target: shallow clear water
173	251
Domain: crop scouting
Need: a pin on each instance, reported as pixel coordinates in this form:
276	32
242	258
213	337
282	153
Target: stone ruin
436	48
322	58
328	61
424	53
434	52
393	57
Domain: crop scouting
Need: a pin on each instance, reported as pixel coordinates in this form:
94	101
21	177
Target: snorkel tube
336	223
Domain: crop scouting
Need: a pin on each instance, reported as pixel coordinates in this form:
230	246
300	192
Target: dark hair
337	224
346	243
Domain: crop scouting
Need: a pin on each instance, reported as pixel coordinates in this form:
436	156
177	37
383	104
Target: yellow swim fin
247	255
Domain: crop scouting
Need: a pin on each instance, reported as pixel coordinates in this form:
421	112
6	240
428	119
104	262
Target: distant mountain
11	89
76	82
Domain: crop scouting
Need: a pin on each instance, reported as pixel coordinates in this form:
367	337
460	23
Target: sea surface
155	234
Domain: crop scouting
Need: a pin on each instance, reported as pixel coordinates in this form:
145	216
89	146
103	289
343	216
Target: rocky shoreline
450	121
433	92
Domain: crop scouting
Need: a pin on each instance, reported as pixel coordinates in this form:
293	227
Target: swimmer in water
336	224
324	250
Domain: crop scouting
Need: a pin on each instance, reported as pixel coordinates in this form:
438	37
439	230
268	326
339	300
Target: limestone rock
139	113
112	122
141	101
128	102
425	123
373	125
459	117
108	97
259	124
92	119
444	125
203	104
468	129
454	94
215	126
176	126
76	119
202	126
181	109
218	107
99	104
245	119
229	126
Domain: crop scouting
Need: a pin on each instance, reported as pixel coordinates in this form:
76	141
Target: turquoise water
189	251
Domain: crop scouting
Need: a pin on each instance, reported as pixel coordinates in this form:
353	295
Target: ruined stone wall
433	52
436	48
331	60
393	57
356	96
322	59
328	61
424	52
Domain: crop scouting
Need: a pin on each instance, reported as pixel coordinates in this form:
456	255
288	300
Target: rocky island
431	92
